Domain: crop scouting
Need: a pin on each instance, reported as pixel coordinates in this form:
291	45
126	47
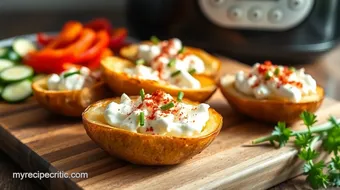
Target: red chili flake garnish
250	75
257	83
267	63
149	129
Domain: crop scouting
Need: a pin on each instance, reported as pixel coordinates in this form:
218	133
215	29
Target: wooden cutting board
41	141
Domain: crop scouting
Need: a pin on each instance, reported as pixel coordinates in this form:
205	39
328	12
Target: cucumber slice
17	92
16	73
37	77
4	64
23	46
4	53
13	56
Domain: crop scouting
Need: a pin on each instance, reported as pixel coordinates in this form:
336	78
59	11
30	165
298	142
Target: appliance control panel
256	14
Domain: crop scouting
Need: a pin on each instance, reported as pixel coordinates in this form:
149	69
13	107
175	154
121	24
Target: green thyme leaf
172	63
154	40
167	106
192	71
71	73
332	142
140	62
308	154
292	69
277	71
181	50
281	133
180	96
303	140
268	75
142	94
175	73
141	119
309	119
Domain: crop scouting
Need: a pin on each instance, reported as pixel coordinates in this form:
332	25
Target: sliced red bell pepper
99	24
52	60
118	37
70	32
44	39
95	63
102	41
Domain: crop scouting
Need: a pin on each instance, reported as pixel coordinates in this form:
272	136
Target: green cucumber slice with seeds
17	92
4	53
4	64
23	46
13	56
16	73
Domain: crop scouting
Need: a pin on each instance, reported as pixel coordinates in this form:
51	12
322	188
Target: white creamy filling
255	84
187	120
71	82
159	57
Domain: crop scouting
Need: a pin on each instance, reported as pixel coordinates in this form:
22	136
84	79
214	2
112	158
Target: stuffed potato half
147	149
120	82
269	110
212	63
69	102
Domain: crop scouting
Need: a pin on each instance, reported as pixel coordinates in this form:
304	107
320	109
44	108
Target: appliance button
296	4
275	15
235	13
216	3
255	14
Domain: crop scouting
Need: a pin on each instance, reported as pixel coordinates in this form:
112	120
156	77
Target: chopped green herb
292	69
180	96
140	62
305	140
154	39
175	73
181	50
142	94
167	106
277	71
171	63
71	73
141	119
192	71
268	75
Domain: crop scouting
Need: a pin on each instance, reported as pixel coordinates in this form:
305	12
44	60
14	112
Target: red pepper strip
84	41
44	39
118	38
99	24
51	61
102	41
95	63
70	32
43	64
67	66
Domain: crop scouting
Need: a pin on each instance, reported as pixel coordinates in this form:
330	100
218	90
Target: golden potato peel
69	102
146	149
212	63
120	82
270	110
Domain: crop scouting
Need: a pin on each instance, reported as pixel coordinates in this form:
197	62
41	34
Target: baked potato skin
270	111
145	149
120	82
212	63
69	103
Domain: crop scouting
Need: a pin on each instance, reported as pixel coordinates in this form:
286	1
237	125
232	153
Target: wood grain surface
41	141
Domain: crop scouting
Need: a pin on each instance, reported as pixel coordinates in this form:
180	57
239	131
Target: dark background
19	17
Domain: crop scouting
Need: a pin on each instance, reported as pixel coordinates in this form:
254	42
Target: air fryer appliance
288	31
